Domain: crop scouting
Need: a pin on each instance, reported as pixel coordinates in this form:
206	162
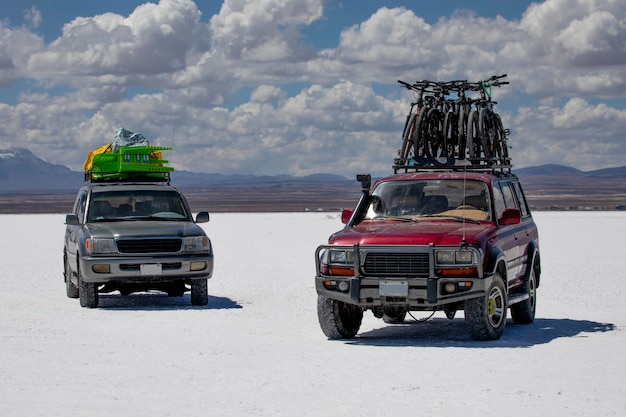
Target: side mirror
72	220
346	214
202	217
510	216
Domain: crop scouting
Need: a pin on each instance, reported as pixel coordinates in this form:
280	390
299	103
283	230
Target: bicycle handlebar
444	87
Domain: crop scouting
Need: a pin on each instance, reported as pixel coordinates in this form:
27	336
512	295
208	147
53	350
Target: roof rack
130	163
452	164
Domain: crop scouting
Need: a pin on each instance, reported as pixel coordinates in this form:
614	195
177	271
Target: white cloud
578	134
262	29
33	16
154	39
190	74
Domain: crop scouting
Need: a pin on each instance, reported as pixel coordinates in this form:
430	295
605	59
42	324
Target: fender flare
534	261
493	259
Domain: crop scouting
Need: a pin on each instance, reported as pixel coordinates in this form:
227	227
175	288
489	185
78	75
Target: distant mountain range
561	170
21	171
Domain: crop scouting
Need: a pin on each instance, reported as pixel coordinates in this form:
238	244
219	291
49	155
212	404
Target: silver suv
131	237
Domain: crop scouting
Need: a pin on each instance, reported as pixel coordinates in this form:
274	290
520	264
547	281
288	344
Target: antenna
463	242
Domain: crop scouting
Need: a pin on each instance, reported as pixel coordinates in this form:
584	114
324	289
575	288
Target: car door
510	237
72	232
528	229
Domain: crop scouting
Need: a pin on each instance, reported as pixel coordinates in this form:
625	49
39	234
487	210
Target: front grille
149	245
168	266
402	263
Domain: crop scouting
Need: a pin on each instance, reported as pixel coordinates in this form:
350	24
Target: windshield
136	205
425	198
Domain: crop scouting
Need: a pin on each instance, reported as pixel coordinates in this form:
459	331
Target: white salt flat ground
257	350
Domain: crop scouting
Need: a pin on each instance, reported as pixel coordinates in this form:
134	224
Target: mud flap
431	290
355	289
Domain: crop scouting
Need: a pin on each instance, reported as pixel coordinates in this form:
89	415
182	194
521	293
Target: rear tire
70	289
199	292
394	315
337	319
485	317
524	312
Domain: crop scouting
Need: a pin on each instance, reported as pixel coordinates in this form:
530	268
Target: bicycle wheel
501	145
407	137
487	132
451	135
419	134
473	135
462	134
431	134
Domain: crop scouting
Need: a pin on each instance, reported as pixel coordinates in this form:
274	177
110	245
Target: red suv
430	241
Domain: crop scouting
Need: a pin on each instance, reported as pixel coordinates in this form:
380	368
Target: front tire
485	317
337	319
87	292
199	292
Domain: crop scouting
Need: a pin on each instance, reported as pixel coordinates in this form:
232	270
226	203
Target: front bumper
421	290
146	269
421	293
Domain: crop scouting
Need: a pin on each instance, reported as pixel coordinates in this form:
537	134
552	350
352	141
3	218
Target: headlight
337	262
96	245
341	257
196	244
455	257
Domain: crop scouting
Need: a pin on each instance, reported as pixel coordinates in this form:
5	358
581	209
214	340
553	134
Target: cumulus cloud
220	88
577	133
33	17
262	30
154	39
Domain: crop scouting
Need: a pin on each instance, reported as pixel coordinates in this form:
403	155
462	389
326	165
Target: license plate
394	288
150	269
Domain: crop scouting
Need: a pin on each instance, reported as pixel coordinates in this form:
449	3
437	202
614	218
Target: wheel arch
534	262
496	262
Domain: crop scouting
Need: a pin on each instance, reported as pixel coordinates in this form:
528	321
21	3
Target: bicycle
485	134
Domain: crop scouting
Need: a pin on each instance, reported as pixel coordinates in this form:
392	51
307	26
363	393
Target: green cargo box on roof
131	163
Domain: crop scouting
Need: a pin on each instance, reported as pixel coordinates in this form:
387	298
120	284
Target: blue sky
305	86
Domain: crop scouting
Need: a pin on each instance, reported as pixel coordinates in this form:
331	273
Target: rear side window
503	197
498	200
79	205
507	192
521	199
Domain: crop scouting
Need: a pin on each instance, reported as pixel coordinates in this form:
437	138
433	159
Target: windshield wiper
458	218
396	218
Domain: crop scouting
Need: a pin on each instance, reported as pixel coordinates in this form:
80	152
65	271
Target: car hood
144	228
422	232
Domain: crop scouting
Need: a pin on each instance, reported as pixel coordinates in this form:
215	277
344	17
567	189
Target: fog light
449	287
101	268
197	265
343	286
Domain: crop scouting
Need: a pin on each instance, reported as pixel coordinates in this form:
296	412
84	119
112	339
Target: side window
498	200
521	199
507	192
79	205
